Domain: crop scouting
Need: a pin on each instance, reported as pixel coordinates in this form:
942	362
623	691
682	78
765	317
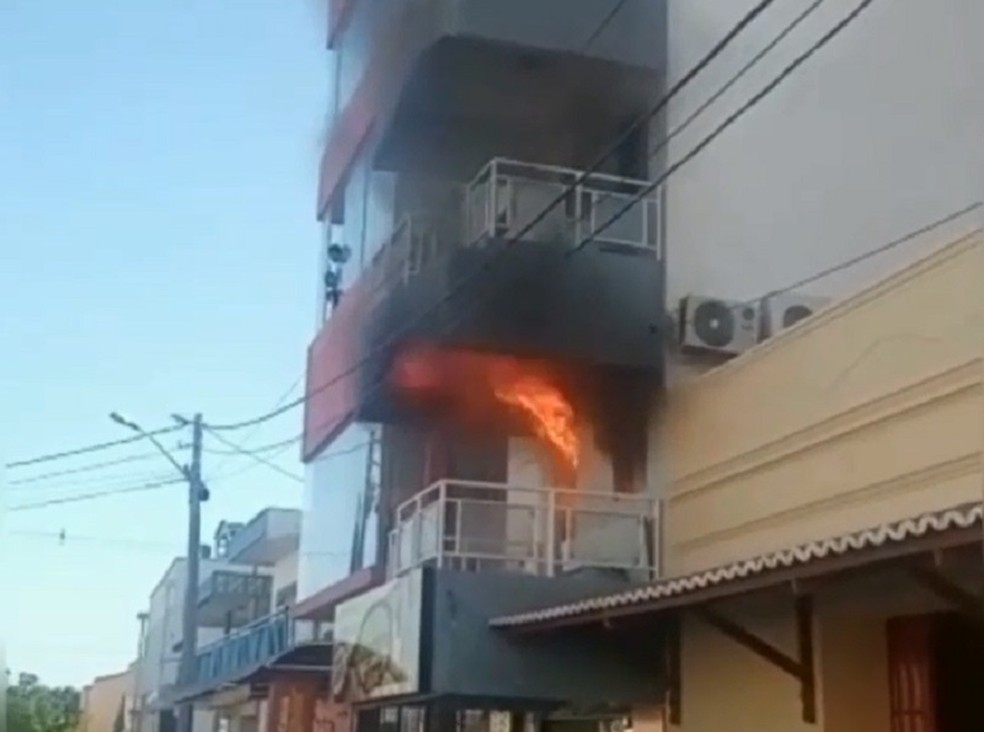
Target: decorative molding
956	380
907	483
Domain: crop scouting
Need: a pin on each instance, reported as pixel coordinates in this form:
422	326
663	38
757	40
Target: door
912	672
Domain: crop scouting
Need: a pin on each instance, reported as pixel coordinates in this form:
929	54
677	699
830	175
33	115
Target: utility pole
137	705
189	617
197	492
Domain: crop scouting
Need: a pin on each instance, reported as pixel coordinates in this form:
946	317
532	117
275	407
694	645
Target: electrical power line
684	81
696	150
254	456
279	445
603	25
727	85
64	538
252	433
96	494
89	448
84	468
102	480
153	485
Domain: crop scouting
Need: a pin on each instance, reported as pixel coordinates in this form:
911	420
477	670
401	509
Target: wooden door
912	674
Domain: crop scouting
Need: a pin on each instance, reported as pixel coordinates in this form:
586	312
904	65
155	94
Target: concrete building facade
840	462
106	700
862	422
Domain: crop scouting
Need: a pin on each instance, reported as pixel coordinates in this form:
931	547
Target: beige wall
102	700
727	687
868	412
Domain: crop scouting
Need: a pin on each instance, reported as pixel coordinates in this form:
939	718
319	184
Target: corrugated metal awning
814	558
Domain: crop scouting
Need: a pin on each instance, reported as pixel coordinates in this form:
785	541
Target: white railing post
551	531
415	543
493	201
644	203
593	223
568	533
659	224
657	548
458	503
442	496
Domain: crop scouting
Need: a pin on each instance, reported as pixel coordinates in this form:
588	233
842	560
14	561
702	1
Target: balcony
463	551
448	84
231	599
477	526
495	274
265	644
508	196
488	274
272	535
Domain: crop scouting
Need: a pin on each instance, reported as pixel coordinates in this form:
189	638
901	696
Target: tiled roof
964	516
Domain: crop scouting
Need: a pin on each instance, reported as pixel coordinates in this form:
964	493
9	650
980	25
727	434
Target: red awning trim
321	605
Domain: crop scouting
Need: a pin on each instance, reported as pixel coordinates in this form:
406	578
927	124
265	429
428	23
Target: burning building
506	382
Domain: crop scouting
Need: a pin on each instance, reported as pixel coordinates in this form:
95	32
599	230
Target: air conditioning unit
714	325
787	309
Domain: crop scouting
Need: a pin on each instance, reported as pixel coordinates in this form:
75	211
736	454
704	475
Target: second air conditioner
710	324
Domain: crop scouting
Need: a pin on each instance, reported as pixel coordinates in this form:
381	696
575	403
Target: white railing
502	200
417	240
477	526
508	196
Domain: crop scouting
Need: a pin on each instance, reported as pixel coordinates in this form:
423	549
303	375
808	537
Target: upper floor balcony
481	526
525	260
448	84
464	552
228	598
271	535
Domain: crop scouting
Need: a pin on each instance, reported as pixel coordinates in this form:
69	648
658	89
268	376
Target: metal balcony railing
478	526
229	598
252	645
417	240
508	196
502	200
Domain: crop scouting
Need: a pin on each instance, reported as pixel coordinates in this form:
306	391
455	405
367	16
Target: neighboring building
511	425
104	703
822	512
252	674
237	587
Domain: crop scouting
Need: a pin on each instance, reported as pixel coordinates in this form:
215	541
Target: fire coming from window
474	387
548	410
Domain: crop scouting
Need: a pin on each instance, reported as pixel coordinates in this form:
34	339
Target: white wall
332	485
284	573
878	134
159	664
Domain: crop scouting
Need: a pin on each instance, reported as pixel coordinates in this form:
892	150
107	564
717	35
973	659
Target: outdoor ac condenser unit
785	310
714	325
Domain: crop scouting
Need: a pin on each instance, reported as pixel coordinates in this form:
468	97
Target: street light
183	469
196	494
133	426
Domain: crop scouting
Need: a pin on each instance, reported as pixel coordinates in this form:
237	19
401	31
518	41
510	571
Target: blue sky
157	244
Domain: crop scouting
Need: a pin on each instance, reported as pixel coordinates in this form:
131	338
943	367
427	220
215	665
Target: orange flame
459	375
552	415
